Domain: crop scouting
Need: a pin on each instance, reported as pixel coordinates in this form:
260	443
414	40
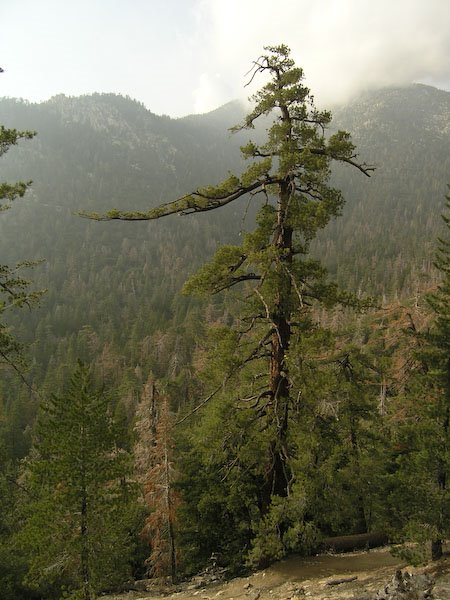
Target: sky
190	56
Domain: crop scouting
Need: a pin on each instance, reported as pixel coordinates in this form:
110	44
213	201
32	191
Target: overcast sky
185	56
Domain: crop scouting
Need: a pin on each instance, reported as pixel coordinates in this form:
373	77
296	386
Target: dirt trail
353	576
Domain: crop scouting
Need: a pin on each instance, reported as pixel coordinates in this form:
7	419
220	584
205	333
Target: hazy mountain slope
120	279
386	238
111	286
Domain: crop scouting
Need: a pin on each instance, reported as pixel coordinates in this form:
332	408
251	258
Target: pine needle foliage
75	531
288	181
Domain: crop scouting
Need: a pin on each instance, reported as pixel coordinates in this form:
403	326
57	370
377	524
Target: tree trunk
84	545
436	545
279	476
169	510
436	549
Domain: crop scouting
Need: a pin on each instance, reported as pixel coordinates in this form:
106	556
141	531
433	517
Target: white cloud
177	57
344	46
210	93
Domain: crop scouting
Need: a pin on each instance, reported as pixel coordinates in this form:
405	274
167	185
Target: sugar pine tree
75	528
288	176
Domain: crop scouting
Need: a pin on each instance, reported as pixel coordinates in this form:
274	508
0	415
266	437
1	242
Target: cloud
210	92
344	46
177	57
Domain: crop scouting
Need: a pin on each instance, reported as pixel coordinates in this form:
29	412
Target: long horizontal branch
198	201
203	201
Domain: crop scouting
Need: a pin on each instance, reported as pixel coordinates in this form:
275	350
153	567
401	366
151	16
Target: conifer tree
15	293
288	179
440	339
421	496
153	455
75	529
14	288
147	413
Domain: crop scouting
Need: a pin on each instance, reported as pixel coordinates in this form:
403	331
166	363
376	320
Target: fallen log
339	581
349	543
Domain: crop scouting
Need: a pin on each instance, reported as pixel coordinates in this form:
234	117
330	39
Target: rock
441	590
141	585
192	586
298	594
405	586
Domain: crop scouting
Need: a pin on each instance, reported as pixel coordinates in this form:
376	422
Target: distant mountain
386	238
120	279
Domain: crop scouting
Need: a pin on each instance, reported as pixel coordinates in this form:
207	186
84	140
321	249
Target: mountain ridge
123	279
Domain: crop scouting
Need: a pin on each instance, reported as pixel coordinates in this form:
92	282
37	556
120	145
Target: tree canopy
14	288
288	176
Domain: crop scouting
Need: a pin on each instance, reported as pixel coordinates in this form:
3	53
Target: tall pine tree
75	529
288	178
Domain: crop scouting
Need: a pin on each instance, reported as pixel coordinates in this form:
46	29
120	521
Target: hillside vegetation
368	420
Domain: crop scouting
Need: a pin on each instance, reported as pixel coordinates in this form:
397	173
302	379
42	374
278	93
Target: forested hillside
102	151
384	242
114	301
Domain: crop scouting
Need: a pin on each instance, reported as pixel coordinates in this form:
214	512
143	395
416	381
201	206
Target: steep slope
384	243
118	282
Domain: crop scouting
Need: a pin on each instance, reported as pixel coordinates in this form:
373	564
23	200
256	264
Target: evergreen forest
181	389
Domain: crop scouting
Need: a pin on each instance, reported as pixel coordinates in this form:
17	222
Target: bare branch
294	283
206	400
363	167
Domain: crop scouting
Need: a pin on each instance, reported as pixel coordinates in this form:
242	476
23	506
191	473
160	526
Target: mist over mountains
103	151
122	279
297	417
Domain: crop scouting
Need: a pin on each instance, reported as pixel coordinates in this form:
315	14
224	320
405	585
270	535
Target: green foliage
12	563
14	292
219	491
420	493
439	302
121	153
416	547
217	274
9	192
283	530
77	511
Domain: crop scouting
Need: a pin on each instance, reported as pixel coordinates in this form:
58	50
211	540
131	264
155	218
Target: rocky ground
372	575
